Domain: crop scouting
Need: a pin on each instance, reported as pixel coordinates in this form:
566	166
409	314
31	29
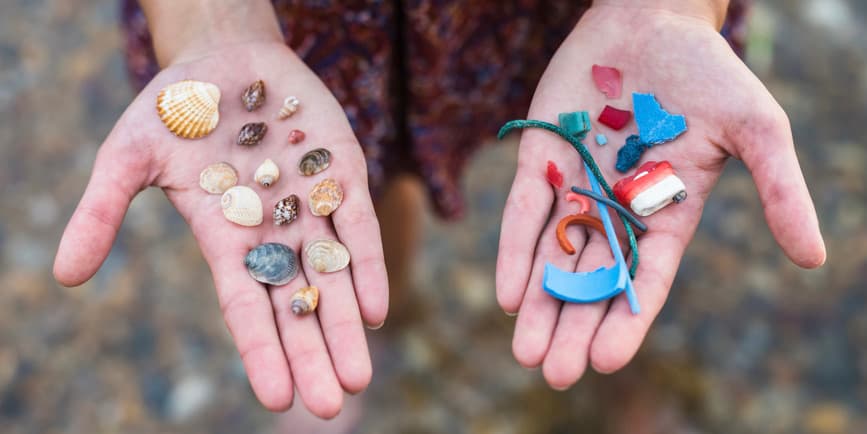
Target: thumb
119	173
765	145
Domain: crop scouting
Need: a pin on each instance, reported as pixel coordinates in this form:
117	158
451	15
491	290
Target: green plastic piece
576	124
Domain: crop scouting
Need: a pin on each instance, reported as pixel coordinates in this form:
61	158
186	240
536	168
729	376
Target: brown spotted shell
325	197
305	300
286	210
242	205
189	109
314	161
254	96
252	133
327	256
218	177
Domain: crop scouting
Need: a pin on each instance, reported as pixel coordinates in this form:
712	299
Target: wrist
712	11
214	24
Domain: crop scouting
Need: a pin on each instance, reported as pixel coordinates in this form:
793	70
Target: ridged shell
251	134
267	174
242	205
290	106
218	177
325	197
272	263
314	161
190	109
254	96
305	300
286	210
327	256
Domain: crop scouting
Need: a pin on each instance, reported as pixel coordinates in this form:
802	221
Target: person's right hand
322	354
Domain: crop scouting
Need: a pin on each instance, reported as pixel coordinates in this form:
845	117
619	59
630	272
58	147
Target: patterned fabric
424	83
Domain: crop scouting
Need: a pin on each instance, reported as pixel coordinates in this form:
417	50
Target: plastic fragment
576	123
652	187
583	201
608	80
630	153
614	118
554	176
601	140
575	219
655	125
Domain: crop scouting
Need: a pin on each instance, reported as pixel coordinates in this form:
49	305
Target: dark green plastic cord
585	155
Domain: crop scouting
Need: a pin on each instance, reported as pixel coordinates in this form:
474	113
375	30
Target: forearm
712	10
187	28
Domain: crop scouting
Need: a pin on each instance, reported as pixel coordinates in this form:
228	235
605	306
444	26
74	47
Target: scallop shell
254	96
272	263
305	300
314	161
189	109
218	177
290	106
327	256
267	174
325	197
242	205
251	134
286	211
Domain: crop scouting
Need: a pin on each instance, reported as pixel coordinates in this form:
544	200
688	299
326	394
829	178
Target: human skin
673	49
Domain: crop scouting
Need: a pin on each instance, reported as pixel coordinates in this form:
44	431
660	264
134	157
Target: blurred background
747	343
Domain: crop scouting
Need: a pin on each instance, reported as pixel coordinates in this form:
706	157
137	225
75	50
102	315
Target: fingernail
376	327
511	314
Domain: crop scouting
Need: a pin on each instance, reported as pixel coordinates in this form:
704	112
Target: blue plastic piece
601	284
576	123
630	153
655	125
601	140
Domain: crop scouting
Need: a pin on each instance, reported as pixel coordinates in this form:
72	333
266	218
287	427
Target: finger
308	357
767	149
119	173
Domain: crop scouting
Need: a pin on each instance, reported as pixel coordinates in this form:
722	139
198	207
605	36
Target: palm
692	71
319	353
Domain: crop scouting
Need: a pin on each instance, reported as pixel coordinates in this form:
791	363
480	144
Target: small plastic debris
651	188
576	219
608	80
655	125
554	176
614	118
583	201
601	140
630	153
576	123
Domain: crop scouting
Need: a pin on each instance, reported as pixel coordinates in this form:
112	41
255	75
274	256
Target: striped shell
290	106
272	263
325	197
305	300
327	256
242	205
190	109
314	161
218	177
267	174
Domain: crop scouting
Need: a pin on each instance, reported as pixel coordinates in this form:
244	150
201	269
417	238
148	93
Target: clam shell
327	256
305	300
325	197
314	161
286	210
254	96
290	106
267	174
251	134
189	109
218	177
242	205
272	263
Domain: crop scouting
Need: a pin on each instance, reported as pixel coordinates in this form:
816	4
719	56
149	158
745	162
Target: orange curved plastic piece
581	199
576	219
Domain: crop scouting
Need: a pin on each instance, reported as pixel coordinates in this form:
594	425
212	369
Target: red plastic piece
554	176
647	175
581	199
608	80
614	118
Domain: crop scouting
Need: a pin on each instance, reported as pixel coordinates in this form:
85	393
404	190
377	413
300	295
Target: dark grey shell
272	263
314	162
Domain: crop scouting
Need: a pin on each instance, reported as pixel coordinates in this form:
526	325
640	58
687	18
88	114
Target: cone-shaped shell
272	263
290	106
267	174
325	197
305	300
286	210
327	256
242	205
218	177
314	161
254	96
190	109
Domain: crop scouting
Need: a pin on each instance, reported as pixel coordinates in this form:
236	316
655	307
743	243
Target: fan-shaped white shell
242	205
327	256
189	109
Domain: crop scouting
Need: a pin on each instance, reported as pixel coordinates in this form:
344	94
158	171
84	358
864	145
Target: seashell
314	162
272	263
296	136
267	174
254	96
286	210
325	197
242	205
327	256
251	134
305	300
218	177
290	106
189	109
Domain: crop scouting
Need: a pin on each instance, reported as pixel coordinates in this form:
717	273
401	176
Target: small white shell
267	174
305	300
327	256
242	205
325	197
189	109
218	177
290	106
